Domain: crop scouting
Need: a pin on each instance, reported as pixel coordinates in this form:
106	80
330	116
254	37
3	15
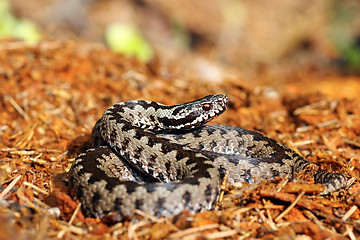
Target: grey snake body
162	160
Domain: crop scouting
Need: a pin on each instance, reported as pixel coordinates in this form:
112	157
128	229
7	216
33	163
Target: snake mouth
220	105
222	102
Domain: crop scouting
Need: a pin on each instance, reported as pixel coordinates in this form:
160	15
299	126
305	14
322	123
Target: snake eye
206	106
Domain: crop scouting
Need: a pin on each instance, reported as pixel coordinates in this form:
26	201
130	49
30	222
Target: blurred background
212	38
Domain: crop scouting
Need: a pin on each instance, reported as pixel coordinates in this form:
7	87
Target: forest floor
52	94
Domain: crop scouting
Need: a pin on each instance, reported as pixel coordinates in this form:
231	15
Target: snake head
196	113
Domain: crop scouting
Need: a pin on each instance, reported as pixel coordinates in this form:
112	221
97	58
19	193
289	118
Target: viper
162	159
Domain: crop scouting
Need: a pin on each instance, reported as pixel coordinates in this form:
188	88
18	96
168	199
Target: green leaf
125	39
27	31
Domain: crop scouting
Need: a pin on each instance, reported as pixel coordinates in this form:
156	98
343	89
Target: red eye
206	106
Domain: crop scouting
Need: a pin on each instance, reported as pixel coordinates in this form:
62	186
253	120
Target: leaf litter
53	93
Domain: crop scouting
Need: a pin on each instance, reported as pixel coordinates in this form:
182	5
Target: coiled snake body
162	160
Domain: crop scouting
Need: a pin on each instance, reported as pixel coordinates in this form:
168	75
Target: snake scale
163	159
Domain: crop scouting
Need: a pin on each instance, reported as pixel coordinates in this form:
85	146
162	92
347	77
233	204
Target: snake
163	159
